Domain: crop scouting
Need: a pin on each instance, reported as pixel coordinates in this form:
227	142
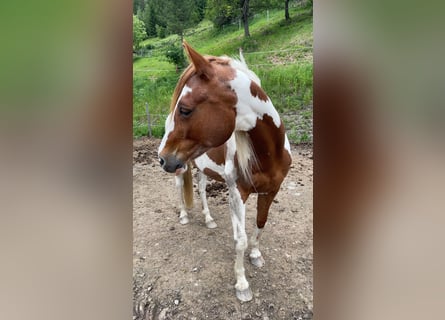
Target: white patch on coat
230	174
248	107
204	161
287	145
170	122
242	66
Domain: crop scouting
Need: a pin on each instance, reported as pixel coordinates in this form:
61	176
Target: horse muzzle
172	164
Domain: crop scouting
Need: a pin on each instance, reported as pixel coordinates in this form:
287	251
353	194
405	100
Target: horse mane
241	65
245	153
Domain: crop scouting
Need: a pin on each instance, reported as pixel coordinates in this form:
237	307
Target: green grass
286	73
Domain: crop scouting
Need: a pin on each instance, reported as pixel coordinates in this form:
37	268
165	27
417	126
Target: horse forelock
185	76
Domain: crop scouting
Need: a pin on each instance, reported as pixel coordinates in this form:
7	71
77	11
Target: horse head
202	112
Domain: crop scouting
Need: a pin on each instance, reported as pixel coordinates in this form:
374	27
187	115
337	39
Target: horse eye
184	111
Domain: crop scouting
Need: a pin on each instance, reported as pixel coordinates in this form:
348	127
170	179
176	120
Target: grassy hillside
279	52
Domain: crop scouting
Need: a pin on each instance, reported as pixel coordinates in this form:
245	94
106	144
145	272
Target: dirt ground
186	271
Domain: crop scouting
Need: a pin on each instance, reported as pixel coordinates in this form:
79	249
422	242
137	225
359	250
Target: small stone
171	228
163	314
176	301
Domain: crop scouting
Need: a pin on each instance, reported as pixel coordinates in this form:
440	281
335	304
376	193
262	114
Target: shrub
176	56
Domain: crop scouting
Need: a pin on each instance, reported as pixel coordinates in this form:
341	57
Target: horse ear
202	66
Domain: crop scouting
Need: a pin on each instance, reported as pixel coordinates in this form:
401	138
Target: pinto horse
221	120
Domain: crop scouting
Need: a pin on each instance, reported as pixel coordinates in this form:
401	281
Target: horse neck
258	118
255	113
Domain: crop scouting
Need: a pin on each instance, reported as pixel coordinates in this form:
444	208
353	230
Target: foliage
138	5
175	55
226	12
139	33
199	11
149	17
161	31
166	17
222	13
178	14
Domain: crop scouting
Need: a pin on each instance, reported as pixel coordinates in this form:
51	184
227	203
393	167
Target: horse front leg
238	211
202	183
183	217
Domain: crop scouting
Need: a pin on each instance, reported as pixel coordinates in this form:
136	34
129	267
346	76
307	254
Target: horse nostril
178	166
161	161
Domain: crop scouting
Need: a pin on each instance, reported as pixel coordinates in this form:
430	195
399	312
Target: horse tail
188	187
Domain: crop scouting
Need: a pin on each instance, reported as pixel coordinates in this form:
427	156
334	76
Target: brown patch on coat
212	174
256	91
218	154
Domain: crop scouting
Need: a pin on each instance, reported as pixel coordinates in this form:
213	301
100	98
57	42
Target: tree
139	33
175	55
138	5
199	11
150	20
286	10
245	17
178	15
222	12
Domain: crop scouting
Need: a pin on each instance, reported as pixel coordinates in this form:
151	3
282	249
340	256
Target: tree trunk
245	18
286	9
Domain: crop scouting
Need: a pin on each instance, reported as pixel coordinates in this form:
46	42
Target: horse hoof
211	224
244	295
184	220
257	262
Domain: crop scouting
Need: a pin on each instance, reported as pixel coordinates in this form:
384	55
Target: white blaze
170	122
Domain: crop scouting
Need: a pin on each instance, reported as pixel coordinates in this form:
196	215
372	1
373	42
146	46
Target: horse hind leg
202	183
183	216
263	204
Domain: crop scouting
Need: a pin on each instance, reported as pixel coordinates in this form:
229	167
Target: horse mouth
181	170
